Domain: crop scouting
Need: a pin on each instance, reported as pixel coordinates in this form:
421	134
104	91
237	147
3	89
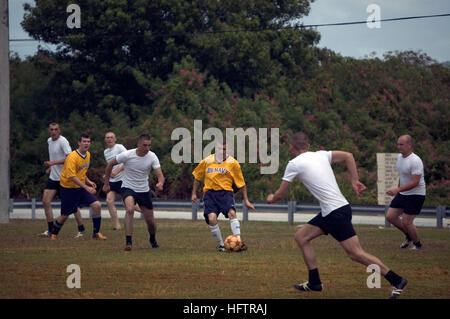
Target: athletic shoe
80	234
405	244
99	236
45	234
244	247
154	244
128	247
397	290
306	286
221	249
416	247
54	237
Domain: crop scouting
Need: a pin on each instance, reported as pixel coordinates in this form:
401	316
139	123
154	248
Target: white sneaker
45	234
79	235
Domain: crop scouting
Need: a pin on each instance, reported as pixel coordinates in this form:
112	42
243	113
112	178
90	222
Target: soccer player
410	193
315	171
58	149
135	188
219	171
115	182
77	190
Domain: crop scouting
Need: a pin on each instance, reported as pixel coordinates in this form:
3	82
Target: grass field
187	266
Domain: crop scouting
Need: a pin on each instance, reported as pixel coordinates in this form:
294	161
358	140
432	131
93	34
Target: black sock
417	243
96	222
50	227
393	278
56	227
81	228
407	237
152	238
314	278
128	240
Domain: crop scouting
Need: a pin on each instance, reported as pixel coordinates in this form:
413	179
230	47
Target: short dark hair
144	137
299	141
84	135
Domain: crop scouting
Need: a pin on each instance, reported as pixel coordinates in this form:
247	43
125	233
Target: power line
285	28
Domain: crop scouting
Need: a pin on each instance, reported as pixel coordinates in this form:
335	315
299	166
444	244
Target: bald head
405	145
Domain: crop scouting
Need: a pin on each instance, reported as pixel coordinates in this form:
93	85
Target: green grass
187	266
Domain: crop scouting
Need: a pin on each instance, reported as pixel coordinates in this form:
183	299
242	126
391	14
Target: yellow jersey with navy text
77	165
219	176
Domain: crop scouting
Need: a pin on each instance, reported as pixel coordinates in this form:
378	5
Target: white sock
215	230
235	227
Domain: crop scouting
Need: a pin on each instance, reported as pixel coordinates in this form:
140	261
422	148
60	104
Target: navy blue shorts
411	204
116	187
51	184
142	199
217	202
74	198
338	223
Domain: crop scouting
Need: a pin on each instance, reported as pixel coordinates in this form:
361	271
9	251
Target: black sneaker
244	247
154	244
397	290
306	286
221	249
405	244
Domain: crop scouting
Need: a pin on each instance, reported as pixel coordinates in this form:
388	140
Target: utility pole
4	112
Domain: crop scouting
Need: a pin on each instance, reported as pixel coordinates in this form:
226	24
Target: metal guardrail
291	207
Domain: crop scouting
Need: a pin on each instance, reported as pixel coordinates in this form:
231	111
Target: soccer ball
232	243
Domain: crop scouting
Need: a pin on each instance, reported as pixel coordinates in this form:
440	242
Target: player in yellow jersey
77	190
219	171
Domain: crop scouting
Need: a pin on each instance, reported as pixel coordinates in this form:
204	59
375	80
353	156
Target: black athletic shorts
142	199
116	187
74	198
218	202
411	204
51	184
338	223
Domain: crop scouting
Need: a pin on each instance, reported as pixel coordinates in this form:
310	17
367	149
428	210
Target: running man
220	171
410	193
77	190
115	182
58	149
315	171
138	163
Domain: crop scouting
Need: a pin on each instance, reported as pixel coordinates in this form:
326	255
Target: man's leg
57	225
97	219
235	226
354	250
393	216
215	230
47	198
408	224
128	221
110	202
303	238
79	221
151	225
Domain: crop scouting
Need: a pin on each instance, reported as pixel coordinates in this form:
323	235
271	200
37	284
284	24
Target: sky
430	36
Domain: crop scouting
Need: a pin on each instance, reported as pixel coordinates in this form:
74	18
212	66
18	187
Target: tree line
137	67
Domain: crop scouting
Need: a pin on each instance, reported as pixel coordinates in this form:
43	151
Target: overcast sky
431	35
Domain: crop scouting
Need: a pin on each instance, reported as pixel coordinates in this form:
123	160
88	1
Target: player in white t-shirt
115	182
138	163
315	171
410	193
58	149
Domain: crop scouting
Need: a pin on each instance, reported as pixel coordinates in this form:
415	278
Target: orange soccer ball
232	243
